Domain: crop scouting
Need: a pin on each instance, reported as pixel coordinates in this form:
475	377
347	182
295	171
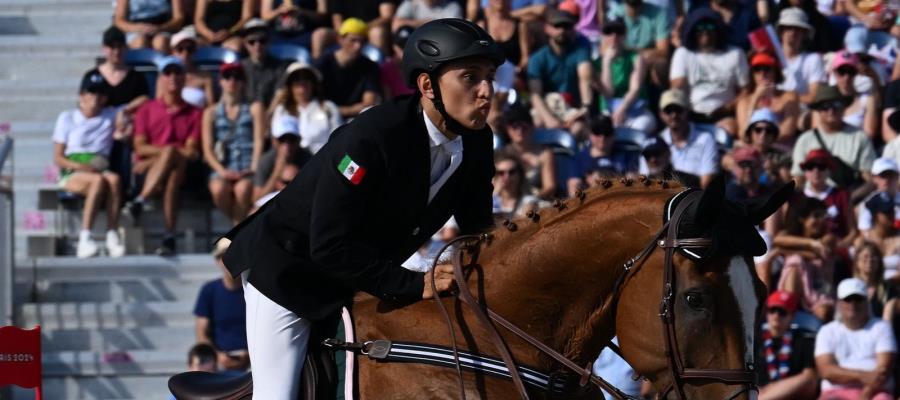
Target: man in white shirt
855	354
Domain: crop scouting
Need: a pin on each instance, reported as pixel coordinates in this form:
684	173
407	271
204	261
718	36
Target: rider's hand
443	280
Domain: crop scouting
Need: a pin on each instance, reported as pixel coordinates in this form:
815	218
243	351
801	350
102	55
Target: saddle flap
209	386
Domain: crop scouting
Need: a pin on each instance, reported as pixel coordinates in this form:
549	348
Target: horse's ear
710	205
759	213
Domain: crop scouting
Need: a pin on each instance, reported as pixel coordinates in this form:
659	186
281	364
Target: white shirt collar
435	137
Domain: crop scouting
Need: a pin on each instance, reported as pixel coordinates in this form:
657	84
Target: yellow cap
355	26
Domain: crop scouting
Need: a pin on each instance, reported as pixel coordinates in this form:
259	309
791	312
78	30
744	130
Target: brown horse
553	275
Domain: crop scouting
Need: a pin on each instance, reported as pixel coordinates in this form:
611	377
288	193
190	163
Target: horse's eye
694	300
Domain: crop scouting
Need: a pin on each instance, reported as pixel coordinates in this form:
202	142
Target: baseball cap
285	125
254	27
784	300
817	156
231	67
746	153
843	58
94	83
302	66
763	115
170	61
354	26
796	17
185	34
884	164
851	287
570	6
557	16
855	40
673	96
763	60
113	36
654	146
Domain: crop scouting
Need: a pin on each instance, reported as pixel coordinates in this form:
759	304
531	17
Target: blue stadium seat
559	139
144	61
630	139
289	53
210	58
372	53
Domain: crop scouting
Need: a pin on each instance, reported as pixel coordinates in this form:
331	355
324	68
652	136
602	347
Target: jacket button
416	231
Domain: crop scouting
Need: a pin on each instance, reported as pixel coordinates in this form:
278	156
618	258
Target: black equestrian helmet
443	40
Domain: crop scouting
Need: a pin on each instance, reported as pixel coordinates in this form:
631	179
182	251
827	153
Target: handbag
843	175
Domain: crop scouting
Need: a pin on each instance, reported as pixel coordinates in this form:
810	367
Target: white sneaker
114	246
87	248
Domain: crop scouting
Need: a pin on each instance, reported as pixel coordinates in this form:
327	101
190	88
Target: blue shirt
616	163
558	72
226	312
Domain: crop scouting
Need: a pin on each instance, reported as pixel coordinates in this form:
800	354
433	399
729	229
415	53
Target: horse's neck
554	277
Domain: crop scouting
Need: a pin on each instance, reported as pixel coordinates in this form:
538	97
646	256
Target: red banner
20	357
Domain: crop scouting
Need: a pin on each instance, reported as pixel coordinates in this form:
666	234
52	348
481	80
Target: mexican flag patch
351	170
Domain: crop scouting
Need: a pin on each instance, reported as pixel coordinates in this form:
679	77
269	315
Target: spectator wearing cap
522	10
198	85
82	140
601	159
710	71
869	267
824	37
510	32
284	154
390	71
417	12
304	23
127	92
303	99
148	23
763	93
537	161
855	354
846	143
561	68
804	71
262	71
693	151
787	368
808	252
761	133
219	21
166	138
622	74
350	80
219	316
745	172
862	111
232	142
512	196
376	14
656	162
878	218
840	217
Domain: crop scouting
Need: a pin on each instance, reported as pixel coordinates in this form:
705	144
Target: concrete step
115	291
53	22
15	88
140	387
118	363
86	38
107	315
183	266
154	338
37	107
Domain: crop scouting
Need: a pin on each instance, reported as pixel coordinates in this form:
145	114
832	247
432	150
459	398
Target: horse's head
716	297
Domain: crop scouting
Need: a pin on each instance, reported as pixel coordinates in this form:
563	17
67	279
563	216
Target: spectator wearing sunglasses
166	138
763	93
847	143
601	159
284	153
841	220
656	162
232	143
862	112
878	217
787	367
622	74
512	193
262	71
198	85
855	354
710	71
745	172
560	69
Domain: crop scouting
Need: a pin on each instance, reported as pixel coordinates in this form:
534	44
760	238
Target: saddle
321	377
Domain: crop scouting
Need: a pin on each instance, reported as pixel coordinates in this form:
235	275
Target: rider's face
466	88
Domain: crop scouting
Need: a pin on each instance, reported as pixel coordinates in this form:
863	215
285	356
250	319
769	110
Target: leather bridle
665	238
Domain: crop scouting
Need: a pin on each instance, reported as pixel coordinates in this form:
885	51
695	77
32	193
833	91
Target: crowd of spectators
763	92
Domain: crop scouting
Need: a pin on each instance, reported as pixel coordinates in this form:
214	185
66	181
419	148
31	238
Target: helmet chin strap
452	124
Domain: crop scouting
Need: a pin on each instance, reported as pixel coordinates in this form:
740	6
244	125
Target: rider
379	188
